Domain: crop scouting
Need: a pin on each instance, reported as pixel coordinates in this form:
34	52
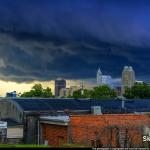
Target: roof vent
96	110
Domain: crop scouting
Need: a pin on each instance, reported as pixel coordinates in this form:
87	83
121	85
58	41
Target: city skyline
88	83
26	86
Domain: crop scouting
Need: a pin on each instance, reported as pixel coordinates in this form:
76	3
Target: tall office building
107	80
99	77
103	79
128	77
59	84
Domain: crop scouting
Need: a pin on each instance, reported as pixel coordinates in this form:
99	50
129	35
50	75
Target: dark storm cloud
40	40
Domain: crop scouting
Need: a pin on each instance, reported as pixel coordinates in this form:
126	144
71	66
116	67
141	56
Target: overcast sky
44	39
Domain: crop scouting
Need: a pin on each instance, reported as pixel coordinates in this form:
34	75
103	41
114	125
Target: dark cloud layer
41	40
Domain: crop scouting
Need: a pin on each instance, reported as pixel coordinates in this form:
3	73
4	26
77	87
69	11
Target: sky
41	40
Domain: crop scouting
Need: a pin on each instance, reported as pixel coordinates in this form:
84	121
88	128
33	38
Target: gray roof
63	119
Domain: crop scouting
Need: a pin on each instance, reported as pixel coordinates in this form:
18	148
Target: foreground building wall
14	134
109	130
9	109
55	135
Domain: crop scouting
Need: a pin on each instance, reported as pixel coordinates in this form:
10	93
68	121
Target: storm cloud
41	40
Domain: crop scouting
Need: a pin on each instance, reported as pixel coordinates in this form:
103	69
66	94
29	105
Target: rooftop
11	122
56	118
107	106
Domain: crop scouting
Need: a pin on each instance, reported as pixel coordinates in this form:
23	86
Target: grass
74	146
22	146
41	146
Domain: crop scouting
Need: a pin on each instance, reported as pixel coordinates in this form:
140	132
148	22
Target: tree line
137	91
100	92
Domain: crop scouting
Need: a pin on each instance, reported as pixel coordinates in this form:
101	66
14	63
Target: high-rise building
99	77
128	77
59	84
103	79
107	80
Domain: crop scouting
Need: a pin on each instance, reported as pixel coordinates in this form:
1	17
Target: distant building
128	77
62	92
59	84
65	92
139	81
11	94
107	80
118	90
103	79
99	77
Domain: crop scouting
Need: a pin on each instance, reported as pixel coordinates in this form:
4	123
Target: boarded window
60	140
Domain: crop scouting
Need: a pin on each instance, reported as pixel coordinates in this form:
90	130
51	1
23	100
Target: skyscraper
59	84
99	77
103	79
128	77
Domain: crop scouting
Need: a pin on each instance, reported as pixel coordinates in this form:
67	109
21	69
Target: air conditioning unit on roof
96	110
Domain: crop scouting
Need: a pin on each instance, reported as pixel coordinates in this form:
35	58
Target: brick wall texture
107	130
118	130
54	133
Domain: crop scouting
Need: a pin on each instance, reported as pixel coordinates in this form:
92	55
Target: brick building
107	130
54	130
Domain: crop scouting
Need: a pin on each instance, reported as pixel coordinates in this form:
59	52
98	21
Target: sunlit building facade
128	78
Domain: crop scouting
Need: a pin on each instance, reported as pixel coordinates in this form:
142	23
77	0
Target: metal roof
64	118
107	106
11	122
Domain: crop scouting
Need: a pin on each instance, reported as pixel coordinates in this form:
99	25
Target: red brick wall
52	133
109	130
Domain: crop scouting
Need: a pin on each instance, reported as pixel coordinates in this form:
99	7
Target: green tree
77	94
86	93
47	93
38	91
139	90
103	92
128	93
100	92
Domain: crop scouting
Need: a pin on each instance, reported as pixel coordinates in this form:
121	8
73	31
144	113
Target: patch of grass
75	145
22	146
